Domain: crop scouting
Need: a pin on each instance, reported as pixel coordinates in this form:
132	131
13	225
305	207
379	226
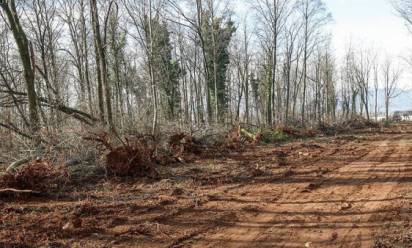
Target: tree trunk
102	67
27	59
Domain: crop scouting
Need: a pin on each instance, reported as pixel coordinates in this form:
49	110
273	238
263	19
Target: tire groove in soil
263	225
353	192
382	161
367	242
198	233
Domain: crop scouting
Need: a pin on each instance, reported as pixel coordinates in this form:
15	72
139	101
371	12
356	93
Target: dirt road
343	209
333	192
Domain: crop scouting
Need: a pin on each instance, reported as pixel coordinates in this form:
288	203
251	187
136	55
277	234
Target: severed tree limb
18	163
12	192
71	112
75	113
16	130
249	135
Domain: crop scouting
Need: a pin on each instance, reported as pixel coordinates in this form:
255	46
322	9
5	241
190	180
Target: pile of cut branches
356	123
36	176
236	138
183	147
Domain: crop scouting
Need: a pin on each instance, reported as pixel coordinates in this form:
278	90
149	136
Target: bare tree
25	49
391	75
404	8
362	68
292	52
101	61
314	17
79	54
376	85
273	16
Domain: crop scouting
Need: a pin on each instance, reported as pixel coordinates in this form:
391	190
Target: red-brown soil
342	191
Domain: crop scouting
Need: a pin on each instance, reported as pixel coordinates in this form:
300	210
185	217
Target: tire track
314	219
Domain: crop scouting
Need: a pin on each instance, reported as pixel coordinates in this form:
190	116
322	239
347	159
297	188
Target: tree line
153	62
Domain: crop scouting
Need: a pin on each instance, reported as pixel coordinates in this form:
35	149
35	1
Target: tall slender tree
25	49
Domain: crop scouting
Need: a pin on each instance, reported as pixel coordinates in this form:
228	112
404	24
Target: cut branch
16	192
75	113
16	130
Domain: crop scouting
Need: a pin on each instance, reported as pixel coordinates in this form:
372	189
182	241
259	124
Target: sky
371	23
368	24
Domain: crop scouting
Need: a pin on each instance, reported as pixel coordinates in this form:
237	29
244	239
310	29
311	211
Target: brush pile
39	176
184	147
356	123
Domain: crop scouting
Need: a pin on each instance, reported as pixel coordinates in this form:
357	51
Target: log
13	192
75	113
248	135
18	163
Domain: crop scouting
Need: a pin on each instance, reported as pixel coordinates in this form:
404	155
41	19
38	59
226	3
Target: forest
142	65
161	109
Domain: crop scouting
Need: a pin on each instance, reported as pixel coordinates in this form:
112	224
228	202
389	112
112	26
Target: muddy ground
341	191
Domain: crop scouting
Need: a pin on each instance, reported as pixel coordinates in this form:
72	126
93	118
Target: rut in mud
344	191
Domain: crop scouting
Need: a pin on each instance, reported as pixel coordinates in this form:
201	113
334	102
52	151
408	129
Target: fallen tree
12	167
75	113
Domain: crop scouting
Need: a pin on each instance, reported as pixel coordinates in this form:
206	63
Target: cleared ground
342	191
